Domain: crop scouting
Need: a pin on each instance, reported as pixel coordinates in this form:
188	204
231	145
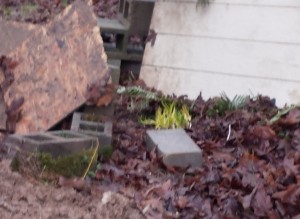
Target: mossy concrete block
176	147
57	143
102	130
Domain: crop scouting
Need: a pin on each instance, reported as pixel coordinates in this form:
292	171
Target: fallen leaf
246	200
292	118
182	202
79	184
261	202
263	132
290	167
159	189
231	208
296	217
290	196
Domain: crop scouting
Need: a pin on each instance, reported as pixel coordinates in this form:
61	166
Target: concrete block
93	127
57	143
176	147
120	31
114	65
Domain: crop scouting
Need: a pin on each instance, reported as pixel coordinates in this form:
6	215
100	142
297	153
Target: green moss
64	3
6	11
105	152
15	164
71	165
28	8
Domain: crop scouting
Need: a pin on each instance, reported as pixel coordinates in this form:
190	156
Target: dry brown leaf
292	118
78	184
246	200
290	196
263	132
261	202
182	202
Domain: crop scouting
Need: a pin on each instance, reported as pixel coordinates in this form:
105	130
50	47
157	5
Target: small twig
229	132
92	159
42	172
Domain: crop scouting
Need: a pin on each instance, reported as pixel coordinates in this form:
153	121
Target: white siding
236	46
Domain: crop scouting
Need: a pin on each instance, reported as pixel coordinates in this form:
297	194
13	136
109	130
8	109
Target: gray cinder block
101	130
57	143
176	147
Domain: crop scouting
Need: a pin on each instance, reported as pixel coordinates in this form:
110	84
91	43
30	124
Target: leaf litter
253	173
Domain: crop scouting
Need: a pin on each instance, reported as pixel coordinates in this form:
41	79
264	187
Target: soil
23	198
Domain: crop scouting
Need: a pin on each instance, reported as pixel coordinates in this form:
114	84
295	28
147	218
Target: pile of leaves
250	169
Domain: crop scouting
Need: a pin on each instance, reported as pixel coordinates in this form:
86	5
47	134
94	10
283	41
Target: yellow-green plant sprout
169	116
283	112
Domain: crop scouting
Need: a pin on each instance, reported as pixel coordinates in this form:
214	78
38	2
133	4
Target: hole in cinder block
38	137
113	41
126	10
66	135
96	128
121	6
89	117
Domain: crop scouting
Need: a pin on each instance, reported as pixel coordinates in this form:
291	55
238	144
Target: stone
56	65
176	147
13	34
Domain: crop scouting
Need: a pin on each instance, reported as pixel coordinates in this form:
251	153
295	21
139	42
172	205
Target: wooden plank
275	24
277	61
193	82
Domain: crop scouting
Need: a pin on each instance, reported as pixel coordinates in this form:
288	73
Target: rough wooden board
12	34
56	64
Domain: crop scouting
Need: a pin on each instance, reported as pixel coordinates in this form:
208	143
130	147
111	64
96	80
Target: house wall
236	46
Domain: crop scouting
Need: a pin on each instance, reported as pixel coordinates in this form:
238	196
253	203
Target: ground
24	199
251	168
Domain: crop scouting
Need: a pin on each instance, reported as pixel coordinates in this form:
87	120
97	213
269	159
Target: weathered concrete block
114	65
92	125
57	143
56	65
119	29
176	147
